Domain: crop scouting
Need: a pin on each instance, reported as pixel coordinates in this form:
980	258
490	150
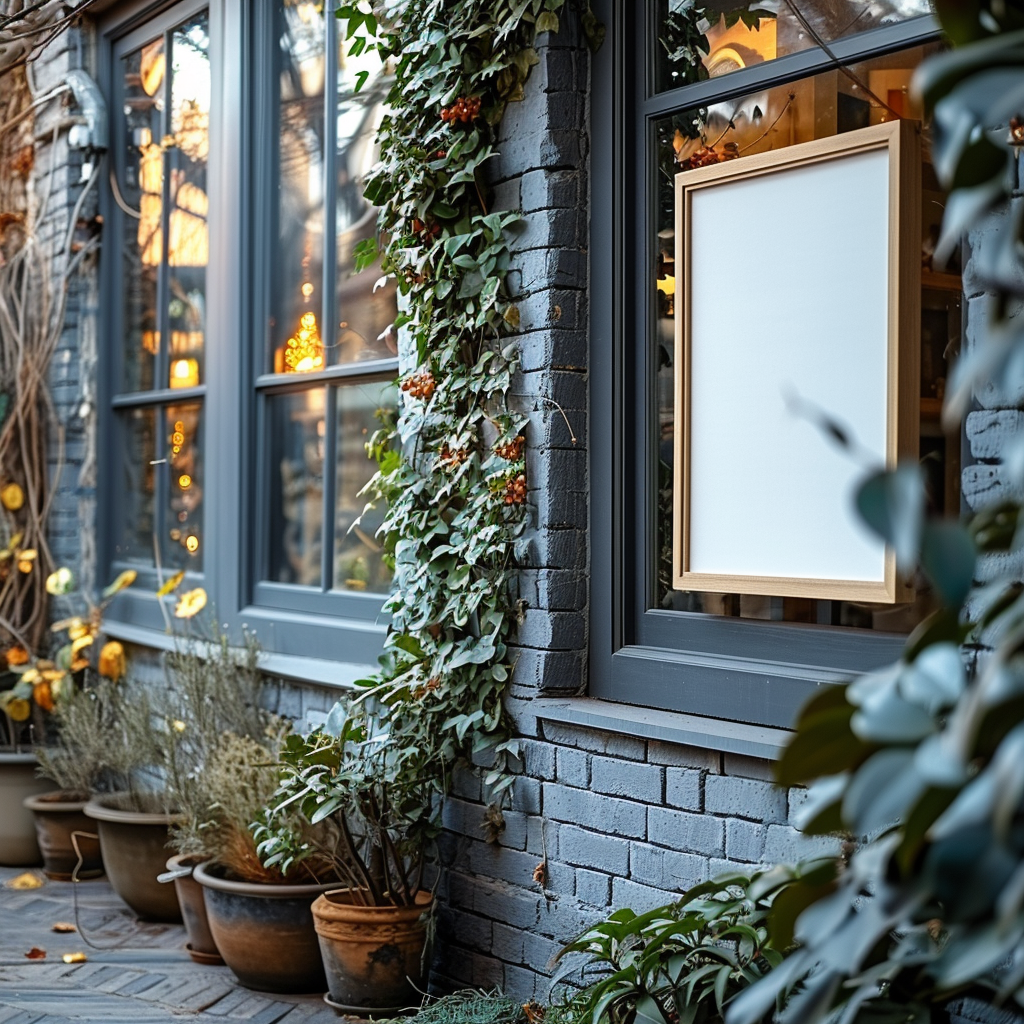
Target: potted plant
33	818
219	763
381	807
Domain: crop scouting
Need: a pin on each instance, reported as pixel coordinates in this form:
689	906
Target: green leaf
948	556
892	504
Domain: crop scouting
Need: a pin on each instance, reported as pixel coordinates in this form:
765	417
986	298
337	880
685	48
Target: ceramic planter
134	848
201	946
64	832
18	845
264	932
373	956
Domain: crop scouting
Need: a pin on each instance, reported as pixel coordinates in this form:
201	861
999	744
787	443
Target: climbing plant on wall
452	468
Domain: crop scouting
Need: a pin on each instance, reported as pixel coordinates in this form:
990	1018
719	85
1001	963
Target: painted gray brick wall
57	183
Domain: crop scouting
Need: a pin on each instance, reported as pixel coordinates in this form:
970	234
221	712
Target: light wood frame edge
902	139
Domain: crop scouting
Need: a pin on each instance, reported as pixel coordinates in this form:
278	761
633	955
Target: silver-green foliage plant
922	764
685	962
452	469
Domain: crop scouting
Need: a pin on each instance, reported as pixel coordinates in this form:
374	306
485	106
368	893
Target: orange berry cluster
515	490
453	457
432	684
420	385
511	450
464	109
425	231
706	156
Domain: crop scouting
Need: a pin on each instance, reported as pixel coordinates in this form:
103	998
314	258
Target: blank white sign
789	296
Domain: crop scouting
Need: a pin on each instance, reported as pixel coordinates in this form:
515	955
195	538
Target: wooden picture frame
805	262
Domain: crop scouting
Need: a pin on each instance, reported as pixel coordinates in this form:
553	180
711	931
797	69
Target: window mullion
329	328
330	480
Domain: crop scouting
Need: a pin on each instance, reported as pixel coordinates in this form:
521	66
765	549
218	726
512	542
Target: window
764	83
250	361
161	145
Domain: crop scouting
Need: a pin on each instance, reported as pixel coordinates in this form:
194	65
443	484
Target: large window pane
817	107
136	483
364	314
183	527
358	562
140	188
296	487
738	35
188	239
297	262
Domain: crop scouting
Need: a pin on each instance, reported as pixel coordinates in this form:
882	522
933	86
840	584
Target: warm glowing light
184	481
179	425
303	352
192	543
184	373
667	285
151	341
307	289
177	438
176	449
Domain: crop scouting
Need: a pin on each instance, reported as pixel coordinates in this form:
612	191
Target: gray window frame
324	636
723	668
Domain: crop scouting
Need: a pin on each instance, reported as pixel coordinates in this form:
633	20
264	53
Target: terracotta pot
18	846
264	932
201	946
57	816
373	956
134	847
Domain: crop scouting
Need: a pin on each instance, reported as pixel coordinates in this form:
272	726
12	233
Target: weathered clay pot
264	932
134	847
373	956
201	946
18	846
57	816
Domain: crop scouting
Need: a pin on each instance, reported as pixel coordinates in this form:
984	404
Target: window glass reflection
136	484
296	424
818	107
358	561
140	187
729	36
364	314
183	547
297	261
188	246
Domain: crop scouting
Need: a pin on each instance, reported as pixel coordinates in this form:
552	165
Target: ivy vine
451	469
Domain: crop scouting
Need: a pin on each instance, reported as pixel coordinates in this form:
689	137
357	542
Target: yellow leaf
112	662
18	710
74	958
125	579
68	624
79	643
63	927
28	880
16	540
61	581
12	497
42	694
17	656
191	603
172	584
28	555
30	676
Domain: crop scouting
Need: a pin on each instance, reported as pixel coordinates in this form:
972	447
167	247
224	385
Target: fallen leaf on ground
74	958
63	926
35	953
28	880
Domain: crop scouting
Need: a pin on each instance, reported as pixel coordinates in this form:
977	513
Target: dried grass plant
104	742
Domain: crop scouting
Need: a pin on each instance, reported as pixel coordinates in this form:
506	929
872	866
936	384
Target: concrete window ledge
339	674
668	726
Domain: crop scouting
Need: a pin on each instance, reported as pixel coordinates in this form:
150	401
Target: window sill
337	674
667	726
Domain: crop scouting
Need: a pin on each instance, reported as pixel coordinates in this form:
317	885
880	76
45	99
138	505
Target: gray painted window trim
720	668
331	638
